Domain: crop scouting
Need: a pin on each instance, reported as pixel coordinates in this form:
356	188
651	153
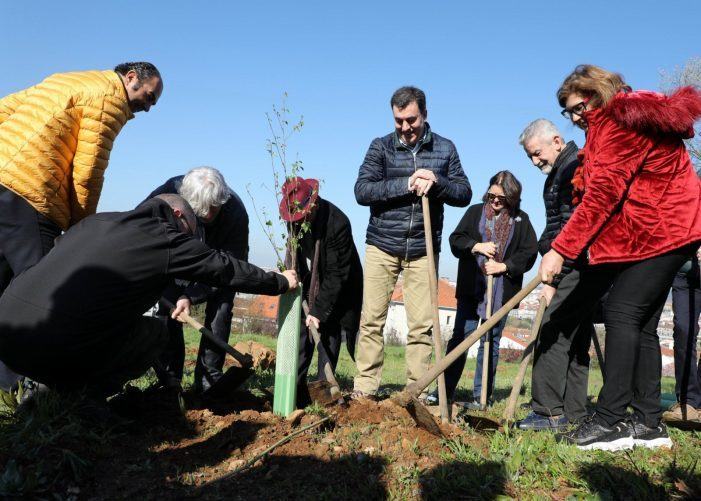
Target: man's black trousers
25	237
686	303
561	358
210	359
331	336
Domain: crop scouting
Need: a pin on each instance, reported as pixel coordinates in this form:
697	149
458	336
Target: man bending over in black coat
75	320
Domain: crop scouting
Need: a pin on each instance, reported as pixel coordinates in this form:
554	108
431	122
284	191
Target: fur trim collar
656	113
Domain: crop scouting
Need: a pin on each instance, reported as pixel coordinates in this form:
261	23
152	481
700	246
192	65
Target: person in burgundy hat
335	299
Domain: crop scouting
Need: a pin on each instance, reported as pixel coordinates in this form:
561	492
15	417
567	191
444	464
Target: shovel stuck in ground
318	391
486	355
409	397
235	375
436	332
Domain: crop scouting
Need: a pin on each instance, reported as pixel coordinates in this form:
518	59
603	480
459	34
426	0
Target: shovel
433	283
527	356
408	398
235	375
334	388
487	343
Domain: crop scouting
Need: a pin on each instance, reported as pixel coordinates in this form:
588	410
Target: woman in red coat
638	221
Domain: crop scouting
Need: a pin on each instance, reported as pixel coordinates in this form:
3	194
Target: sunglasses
491	197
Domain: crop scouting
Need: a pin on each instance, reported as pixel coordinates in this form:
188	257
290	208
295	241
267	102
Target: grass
531	465
48	452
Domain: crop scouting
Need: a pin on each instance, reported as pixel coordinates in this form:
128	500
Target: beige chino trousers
380	276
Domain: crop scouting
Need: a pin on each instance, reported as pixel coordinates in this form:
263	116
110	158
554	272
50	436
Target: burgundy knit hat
298	198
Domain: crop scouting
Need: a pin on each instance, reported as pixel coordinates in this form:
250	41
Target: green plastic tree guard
289	315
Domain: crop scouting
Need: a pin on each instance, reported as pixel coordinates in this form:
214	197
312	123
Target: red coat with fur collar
641	194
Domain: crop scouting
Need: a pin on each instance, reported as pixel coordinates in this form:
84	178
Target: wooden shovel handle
433	283
486	355
243	360
417	387
527	356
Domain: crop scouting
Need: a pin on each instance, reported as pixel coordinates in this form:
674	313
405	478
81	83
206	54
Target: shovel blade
228	383
423	417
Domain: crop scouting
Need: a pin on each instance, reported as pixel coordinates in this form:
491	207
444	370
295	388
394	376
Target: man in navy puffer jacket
398	169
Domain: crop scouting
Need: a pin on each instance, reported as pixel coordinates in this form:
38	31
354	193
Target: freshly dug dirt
167	455
263	356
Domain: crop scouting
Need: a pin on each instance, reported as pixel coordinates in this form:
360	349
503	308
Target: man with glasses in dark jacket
398	169
561	360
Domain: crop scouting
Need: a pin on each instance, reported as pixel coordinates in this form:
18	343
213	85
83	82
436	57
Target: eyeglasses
187	225
578	109
491	197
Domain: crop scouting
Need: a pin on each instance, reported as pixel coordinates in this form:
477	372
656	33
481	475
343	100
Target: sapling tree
283	168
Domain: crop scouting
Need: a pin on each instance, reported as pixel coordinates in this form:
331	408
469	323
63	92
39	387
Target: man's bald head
181	210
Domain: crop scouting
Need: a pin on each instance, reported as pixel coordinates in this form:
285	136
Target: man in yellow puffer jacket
55	143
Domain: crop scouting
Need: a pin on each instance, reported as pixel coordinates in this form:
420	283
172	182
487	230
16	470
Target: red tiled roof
262	307
446	294
510	335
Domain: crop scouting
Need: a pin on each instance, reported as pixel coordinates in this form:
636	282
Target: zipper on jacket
411	217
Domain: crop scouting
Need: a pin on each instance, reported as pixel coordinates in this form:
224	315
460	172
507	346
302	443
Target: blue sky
487	69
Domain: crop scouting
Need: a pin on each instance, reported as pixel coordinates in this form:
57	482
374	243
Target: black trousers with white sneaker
632	362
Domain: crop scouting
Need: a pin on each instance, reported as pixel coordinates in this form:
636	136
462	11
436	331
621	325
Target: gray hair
203	188
542	127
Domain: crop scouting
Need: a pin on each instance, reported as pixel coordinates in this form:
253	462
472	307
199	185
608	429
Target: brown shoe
361	395
682	413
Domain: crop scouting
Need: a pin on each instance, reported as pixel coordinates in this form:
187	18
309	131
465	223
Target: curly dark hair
512	190
144	71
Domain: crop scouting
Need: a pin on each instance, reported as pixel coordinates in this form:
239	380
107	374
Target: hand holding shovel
235	375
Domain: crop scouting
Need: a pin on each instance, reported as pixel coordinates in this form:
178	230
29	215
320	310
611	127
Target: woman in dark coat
638	221
493	238
336	297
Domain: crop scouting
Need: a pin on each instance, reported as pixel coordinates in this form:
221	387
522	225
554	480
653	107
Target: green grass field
48	453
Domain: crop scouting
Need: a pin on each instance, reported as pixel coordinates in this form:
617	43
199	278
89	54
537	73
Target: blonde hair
596	83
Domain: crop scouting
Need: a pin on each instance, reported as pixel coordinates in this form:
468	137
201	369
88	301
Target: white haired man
225	221
561	360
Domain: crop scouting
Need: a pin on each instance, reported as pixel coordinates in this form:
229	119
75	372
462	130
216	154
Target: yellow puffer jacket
56	138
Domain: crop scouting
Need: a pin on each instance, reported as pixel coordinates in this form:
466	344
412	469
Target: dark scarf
499	230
